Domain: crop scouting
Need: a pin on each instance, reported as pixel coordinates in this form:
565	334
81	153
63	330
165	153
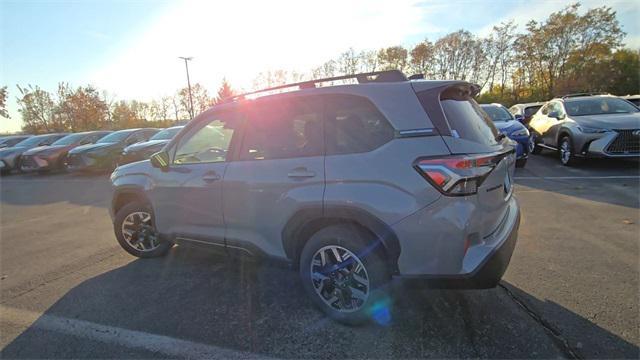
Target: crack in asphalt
554	333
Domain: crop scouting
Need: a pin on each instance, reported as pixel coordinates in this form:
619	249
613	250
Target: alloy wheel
565	151
139	232
340	278
532	142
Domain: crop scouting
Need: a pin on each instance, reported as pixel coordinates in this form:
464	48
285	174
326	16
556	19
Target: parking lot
68	290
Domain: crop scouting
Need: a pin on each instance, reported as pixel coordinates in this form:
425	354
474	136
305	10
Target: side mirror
519	117
160	160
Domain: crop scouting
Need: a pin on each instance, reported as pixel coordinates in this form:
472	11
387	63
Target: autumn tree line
567	52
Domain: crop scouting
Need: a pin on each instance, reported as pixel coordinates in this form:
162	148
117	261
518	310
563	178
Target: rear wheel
565	151
343	273
136	232
533	144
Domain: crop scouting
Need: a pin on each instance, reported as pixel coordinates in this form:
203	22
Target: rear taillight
458	175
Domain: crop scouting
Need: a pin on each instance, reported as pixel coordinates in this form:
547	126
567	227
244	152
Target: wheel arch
126	195
305	222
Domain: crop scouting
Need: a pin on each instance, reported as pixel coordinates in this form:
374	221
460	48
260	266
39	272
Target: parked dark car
51	158
10	157
104	154
513	129
143	150
524	112
634	99
12	140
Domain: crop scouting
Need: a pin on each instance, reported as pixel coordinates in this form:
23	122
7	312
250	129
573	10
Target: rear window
465	117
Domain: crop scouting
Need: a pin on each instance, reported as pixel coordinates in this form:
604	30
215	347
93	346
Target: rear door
279	170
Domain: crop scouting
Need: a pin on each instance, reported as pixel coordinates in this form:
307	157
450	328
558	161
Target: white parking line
622	177
168	346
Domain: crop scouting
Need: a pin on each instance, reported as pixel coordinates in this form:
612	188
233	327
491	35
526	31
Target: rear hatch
482	161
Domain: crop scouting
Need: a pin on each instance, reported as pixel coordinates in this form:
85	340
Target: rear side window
465	117
354	125
531	110
283	128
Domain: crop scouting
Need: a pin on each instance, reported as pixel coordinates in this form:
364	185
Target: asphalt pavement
68	291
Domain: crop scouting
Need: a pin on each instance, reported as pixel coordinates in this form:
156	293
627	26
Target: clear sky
130	48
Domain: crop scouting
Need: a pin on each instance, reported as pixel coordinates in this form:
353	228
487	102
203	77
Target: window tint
283	128
545	109
354	125
209	141
465	117
531	110
555	107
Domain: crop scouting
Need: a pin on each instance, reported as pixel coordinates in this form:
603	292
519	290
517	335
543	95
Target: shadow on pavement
41	189
611	181
262	309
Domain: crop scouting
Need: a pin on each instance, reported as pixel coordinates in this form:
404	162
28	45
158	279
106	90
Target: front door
188	195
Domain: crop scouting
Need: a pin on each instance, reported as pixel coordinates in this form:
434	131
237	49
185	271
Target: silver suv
354	185
585	125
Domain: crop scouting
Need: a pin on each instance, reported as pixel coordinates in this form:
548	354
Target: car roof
586	97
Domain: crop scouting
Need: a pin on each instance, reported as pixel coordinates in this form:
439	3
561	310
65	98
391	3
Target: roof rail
584	94
375	76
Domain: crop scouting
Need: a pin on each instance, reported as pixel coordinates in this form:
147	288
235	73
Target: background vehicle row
84	151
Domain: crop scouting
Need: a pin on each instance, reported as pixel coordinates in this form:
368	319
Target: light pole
186	65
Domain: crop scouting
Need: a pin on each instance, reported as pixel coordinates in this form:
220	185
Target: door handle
301	173
209	178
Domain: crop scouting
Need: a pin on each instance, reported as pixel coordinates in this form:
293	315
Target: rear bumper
492	260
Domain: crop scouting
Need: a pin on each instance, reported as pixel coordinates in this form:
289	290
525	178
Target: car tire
135	231
520	163
565	151
366	274
534	148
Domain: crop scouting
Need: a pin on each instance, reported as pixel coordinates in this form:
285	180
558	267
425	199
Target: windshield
115	137
497	113
32	141
69	139
11	141
599	106
166	134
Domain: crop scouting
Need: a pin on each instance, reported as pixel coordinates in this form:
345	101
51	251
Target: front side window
209	141
283	128
354	125
545	109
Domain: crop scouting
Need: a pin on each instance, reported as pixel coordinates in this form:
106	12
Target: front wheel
136	232
565	150
343	272
533	144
